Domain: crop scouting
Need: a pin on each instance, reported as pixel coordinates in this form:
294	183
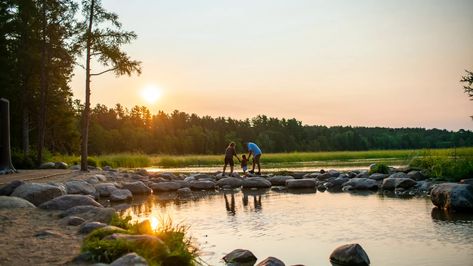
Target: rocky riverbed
45	220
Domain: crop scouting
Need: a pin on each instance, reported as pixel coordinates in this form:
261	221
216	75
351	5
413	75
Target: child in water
244	164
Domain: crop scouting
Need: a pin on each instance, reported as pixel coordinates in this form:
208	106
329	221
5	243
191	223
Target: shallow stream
304	228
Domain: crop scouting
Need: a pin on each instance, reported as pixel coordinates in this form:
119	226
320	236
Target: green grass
175	248
452	166
391	157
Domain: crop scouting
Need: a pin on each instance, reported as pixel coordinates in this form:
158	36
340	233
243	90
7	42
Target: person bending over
254	150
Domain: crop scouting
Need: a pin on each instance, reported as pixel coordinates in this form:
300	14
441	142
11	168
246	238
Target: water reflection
305	227
450	216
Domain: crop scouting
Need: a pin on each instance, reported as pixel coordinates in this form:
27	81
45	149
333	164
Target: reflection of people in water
256	199
230	206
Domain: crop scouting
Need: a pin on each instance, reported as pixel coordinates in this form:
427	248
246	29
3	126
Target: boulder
335	185
14	202
230	182
184	192
300	183
165	186
7	189
68	201
350	254
323	176
401	182
416	175
121	195
399	175
48	165
90	213
202	185
105	189
60	165
453	196
271	261
378	176
363	174
168	176
80	187
240	256
37	193
333	173
360	184
86	228
130	259
204	177
279	180
92	180
101	178
137	187
73	220
256	182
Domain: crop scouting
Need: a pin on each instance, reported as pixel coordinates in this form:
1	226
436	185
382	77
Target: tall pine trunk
43	88
86	113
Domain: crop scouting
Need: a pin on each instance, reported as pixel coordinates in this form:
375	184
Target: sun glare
154	223
151	93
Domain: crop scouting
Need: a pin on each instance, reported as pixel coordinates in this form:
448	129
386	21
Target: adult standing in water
229	153
254	150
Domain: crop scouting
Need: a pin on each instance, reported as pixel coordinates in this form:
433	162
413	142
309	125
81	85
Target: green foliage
175	249
452	167
380	168
121	221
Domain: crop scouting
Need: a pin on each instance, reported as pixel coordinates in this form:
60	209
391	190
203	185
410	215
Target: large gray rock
360	184
121	195
256	182
323	176
300	183
401	182
137	187
378	176
416	175
60	165
202	185
165	186
271	261
48	165
240	256
80	187
399	175
130	259
90	213
336	184
230	182
14	202
453	196
68	201
105	189
350	254
279	180
7	189
86	228
204	177
37	193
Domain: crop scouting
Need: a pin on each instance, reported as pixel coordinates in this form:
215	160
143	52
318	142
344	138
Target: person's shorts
244	168
229	160
256	158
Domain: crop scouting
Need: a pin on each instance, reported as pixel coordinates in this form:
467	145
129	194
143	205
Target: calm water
305	228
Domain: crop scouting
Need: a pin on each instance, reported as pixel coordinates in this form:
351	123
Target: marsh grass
175	247
454	165
136	160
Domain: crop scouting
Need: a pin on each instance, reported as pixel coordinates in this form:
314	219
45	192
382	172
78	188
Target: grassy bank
390	156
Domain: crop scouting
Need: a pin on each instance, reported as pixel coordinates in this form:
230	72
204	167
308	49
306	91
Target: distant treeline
116	130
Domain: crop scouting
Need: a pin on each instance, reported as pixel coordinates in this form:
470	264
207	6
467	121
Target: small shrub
121	221
380	168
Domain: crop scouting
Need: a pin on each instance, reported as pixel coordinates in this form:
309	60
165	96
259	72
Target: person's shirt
244	162
254	148
229	152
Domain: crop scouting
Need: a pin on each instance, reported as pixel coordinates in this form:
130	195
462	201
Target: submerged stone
350	255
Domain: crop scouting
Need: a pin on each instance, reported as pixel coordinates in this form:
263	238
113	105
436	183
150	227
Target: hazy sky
362	63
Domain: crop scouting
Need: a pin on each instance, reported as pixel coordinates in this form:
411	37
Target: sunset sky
362	63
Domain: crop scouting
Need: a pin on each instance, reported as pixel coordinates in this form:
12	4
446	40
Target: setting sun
151	93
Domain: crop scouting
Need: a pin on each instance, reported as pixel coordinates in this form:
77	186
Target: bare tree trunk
86	113
25	130
43	89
